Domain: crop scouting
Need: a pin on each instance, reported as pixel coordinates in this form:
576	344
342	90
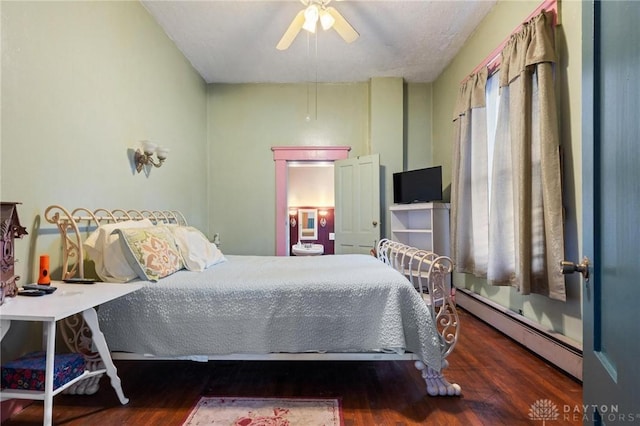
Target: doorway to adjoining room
310	206
283	155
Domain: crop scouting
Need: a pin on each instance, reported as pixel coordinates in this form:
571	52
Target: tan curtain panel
533	120
521	221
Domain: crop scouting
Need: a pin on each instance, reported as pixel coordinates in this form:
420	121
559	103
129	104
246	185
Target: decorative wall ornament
10	229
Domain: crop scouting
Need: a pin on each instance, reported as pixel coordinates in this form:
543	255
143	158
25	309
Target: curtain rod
492	61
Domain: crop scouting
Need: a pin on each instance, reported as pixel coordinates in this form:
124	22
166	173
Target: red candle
44	277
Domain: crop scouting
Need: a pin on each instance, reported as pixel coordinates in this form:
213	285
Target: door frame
283	154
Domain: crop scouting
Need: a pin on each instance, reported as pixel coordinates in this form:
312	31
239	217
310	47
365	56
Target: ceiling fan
307	18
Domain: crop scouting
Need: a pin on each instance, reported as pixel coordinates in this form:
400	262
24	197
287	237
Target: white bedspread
267	304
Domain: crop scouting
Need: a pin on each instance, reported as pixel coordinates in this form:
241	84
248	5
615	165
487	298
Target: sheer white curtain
519	212
469	186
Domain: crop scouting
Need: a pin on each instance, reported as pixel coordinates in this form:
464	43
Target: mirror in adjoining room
310	201
307	224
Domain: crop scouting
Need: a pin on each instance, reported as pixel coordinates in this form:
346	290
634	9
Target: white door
357	207
611	206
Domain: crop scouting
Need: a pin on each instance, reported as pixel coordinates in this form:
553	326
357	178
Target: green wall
82	84
246	120
418	124
386	124
565	318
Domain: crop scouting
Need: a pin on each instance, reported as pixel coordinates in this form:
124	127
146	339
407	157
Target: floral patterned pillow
151	252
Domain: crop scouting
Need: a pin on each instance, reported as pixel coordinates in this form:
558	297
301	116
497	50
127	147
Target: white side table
67	300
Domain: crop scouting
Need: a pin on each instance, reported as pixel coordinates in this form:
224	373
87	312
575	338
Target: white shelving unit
422	225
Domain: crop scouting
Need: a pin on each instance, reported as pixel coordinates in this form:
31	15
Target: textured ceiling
234	41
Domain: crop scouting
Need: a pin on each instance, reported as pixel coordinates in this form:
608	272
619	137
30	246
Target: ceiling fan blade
342	27
292	32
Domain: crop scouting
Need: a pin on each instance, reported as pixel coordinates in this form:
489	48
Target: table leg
50	335
91	318
4	327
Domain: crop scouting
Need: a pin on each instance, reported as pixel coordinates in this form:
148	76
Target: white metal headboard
70	224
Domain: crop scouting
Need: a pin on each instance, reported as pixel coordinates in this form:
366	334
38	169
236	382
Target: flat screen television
418	186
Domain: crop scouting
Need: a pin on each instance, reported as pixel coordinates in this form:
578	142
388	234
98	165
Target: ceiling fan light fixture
326	20
307	19
311	15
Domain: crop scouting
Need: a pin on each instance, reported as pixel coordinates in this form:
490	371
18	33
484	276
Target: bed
393	305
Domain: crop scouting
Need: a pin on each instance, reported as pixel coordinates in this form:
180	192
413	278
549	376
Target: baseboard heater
555	348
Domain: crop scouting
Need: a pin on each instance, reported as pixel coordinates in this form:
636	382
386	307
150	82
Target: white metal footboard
429	273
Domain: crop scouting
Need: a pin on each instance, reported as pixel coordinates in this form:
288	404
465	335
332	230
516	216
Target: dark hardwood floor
500	380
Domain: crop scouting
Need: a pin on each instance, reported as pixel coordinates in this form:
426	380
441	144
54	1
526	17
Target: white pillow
104	248
198	253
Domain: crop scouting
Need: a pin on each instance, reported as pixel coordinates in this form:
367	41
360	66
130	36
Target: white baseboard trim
555	348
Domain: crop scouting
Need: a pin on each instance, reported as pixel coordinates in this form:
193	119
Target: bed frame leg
437	385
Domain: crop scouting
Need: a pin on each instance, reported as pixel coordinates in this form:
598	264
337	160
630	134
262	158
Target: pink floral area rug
230	411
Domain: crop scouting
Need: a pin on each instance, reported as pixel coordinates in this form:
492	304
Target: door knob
374	223
569	268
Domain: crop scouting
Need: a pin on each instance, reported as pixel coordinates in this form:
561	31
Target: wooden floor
501	381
